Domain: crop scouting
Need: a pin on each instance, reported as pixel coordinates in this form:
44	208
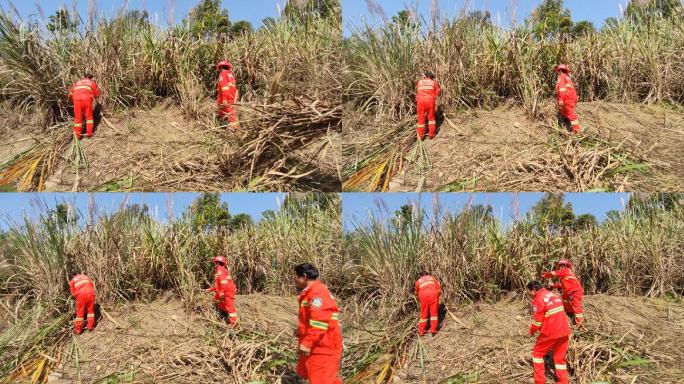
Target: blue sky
14	205
506	206
503	11
251	10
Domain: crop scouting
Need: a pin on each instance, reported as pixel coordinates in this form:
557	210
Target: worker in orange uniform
427	91
566	97
428	289
83	290
571	288
227	94
554	332
224	290
319	335
83	94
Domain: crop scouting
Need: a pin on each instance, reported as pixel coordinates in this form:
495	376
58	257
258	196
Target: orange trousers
319	368
83	107
85	304
573	307
227	112
429	306
426	108
227	305
568	117
559	347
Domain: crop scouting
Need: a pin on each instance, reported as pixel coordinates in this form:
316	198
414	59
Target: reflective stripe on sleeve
225	88
232	314
335	316
319	325
579	315
574	122
305	303
224	281
84	87
536	323
80	282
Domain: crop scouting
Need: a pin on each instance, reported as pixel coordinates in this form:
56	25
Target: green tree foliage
62	215
208	213
208	19
241	27
62	21
551	19
552	214
585	221
403	217
583	28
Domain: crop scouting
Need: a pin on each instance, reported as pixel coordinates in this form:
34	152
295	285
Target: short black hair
423	273
429	74
534	286
88	75
306	270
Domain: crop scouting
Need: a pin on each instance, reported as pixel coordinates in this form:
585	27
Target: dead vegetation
625	340
623	148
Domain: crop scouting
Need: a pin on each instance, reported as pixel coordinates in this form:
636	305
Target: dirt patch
623	147
626	340
162	150
162	342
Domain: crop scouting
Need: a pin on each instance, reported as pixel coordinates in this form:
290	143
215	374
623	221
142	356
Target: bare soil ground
162	342
159	150
626	340
623	147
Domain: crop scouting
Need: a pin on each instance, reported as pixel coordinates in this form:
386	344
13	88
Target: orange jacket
427	286
223	283
548	315
565	90
227	87
85	89
569	283
427	90
81	285
319	330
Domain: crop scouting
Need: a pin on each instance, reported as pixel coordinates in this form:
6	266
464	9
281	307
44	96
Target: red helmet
565	262
219	259
562	67
225	64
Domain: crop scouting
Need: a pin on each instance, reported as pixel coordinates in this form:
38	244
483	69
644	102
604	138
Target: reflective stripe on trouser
426	108
227	305
559	348
85	304
319	368
429	307
81	108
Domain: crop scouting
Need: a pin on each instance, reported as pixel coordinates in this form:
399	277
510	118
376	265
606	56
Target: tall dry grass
482	65
138	64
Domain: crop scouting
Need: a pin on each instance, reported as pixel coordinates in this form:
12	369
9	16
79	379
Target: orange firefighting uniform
319	333
566	97
225	291
227	96
83	289
83	93
548	318
573	293
427	91
428	289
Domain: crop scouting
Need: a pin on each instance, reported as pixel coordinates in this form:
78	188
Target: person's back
427	91
554	322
